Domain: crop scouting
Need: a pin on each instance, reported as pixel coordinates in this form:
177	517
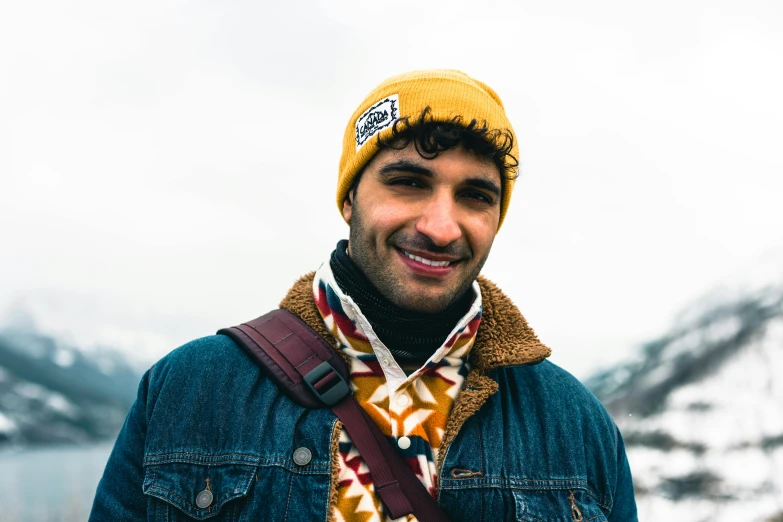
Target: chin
426	304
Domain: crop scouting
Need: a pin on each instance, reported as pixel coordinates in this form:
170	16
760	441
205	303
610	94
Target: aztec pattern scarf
411	410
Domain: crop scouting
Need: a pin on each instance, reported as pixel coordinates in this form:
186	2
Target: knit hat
448	93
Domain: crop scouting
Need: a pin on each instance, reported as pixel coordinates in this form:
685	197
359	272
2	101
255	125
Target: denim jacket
210	437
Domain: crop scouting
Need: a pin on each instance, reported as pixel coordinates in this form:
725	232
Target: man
439	357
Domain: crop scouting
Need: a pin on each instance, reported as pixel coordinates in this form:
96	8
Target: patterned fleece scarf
411	410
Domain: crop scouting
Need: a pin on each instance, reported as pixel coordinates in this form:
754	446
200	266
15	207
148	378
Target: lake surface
51	484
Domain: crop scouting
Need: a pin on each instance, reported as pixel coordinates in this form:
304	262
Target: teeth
426	261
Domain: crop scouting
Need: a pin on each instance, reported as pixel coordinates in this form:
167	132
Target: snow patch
32	391
63	357
7	425
59	403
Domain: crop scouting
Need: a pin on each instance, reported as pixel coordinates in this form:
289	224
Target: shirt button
404	443
402	400
302	456
385	361
204	499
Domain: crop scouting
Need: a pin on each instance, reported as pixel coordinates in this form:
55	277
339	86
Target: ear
348	206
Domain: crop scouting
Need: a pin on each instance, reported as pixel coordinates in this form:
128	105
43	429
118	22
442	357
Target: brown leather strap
288	349
312	374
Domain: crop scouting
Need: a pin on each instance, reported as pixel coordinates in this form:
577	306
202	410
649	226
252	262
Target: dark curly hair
433	137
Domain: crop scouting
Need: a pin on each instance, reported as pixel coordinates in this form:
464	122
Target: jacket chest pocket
178	491
574	505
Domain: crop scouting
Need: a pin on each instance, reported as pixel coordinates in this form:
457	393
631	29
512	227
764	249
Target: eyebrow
414	168
405	166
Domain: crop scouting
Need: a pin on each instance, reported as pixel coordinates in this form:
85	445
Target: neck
410	336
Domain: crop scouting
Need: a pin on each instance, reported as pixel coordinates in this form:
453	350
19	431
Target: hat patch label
376	118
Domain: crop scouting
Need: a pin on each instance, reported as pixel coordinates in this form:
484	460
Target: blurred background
168	168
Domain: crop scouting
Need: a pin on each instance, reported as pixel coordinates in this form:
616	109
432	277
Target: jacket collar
504	337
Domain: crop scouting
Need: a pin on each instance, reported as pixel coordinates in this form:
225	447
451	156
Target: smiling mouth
425	261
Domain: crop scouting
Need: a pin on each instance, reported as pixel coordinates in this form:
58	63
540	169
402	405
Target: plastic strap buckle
327	384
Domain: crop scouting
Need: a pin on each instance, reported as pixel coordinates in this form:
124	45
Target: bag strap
312	374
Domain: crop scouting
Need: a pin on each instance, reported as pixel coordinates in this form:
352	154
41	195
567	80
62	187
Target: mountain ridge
701	411
52	393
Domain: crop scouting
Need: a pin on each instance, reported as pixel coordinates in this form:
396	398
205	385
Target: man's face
421	229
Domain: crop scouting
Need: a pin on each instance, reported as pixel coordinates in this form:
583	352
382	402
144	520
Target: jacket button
204	499
302	456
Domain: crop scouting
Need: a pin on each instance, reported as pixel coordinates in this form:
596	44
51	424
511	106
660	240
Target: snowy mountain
701	410
52	393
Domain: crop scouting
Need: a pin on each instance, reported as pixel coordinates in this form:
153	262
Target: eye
478	196
405	182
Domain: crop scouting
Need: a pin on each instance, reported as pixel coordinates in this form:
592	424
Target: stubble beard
391	286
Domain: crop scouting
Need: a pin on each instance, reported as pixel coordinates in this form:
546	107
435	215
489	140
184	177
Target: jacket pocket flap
200	491
575	505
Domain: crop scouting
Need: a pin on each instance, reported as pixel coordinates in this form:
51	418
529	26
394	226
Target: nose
439	220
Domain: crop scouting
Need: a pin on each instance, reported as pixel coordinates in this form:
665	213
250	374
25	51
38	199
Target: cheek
385	219
486	245
482	235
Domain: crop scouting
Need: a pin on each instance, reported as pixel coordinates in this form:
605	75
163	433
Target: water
51	484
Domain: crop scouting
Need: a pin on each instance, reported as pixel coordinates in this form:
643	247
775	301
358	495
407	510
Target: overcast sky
168	167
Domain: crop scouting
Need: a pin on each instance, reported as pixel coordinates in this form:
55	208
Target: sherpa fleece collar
504	339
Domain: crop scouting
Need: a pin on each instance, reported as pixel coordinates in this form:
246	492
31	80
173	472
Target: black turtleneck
410	336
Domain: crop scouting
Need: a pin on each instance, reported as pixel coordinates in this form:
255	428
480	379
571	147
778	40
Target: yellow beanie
448	93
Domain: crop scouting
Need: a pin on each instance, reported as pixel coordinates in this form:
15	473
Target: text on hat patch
377	118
